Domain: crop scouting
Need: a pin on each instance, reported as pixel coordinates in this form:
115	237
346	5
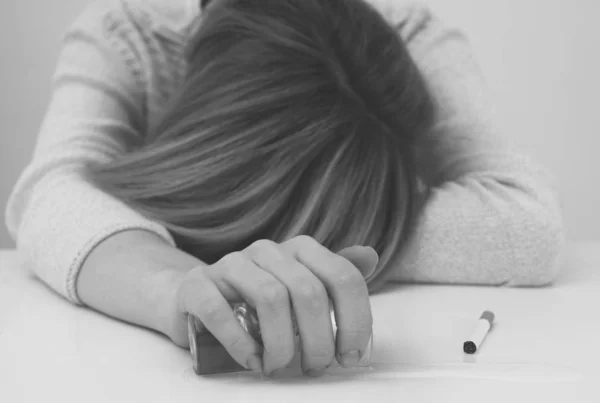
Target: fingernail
315	373
368	352
254	363
274	373
351	358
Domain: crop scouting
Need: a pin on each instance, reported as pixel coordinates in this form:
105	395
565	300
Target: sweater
493	216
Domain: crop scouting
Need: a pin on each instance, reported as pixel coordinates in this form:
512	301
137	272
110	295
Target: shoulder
147	37
408	17
166	16
150	17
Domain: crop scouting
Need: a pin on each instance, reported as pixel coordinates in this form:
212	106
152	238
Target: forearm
133	276
488	231
493	217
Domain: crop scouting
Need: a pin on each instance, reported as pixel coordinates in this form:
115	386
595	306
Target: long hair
296	117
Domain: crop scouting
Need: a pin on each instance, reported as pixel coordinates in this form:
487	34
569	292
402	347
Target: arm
62	224
134	276
493	216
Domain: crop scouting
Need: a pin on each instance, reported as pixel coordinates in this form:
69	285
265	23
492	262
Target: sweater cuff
66	218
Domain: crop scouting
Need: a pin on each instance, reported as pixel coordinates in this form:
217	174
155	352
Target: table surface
544	346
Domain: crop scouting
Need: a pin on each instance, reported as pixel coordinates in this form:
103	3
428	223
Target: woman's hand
299	275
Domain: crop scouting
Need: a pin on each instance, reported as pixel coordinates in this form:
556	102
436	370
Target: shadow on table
290	376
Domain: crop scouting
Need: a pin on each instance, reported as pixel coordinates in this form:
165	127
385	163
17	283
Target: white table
545	347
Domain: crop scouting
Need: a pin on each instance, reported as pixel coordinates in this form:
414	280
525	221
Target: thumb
364	258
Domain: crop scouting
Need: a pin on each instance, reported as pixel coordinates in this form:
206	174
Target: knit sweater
493	216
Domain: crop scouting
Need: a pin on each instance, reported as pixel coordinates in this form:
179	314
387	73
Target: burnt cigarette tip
469	347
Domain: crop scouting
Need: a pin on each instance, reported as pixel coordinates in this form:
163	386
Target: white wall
538	55
30	31
542	60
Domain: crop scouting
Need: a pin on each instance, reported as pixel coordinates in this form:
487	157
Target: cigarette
484	325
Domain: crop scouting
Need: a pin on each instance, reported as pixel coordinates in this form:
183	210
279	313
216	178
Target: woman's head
296	117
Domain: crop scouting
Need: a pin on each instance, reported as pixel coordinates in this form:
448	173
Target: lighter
210	357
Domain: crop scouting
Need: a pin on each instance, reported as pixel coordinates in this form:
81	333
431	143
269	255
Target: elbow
538	243
15	209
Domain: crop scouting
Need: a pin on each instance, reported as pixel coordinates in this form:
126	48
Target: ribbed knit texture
493	216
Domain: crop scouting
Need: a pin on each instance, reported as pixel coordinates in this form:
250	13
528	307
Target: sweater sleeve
493	216
95	113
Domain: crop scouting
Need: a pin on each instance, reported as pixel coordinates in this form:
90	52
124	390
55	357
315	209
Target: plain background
538	56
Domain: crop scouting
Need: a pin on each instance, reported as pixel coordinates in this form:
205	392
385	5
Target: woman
287	153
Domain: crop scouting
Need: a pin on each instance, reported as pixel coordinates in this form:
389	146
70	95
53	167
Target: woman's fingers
309	299
271	300
200	297
348	291
299	274
364	258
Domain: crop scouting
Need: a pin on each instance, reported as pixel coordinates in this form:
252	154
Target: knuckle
264	250
186	289
263	244
311	294
212	312
305	241
232	261
192	282
311	289
274	294
233	258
